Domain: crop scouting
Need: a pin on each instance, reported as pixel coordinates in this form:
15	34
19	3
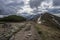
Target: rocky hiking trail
27	33
21	31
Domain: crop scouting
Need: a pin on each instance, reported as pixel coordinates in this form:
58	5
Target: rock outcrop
49	20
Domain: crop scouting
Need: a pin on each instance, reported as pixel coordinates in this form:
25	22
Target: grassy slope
13	18
48	33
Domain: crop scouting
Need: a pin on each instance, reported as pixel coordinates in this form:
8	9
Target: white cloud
47	4
16	6
26	1
25	8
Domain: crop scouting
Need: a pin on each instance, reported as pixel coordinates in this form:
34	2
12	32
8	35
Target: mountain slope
50	20
13	18
28	31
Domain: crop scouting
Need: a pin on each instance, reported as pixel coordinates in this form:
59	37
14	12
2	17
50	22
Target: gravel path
27	33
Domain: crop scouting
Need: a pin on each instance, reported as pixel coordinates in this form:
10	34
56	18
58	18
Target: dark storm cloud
10	6
56	2
35	3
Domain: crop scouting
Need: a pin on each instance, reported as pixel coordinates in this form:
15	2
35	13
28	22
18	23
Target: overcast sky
28	6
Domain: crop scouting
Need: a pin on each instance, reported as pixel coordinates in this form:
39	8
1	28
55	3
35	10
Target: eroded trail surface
27	33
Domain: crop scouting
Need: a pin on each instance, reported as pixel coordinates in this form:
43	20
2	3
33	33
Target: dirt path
27	33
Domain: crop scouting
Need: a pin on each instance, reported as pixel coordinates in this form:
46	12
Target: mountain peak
49	20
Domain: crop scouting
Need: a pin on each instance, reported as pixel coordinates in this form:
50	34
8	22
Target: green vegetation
48	33
13	18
